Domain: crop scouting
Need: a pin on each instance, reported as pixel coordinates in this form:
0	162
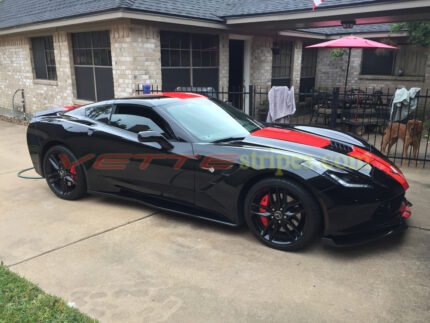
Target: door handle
90	131
210	169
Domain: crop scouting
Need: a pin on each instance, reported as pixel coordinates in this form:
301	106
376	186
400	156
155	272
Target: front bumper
376	229
357	239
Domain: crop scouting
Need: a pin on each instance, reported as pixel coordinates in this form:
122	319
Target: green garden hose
28	177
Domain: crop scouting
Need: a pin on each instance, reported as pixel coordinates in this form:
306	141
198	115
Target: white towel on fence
281	104
404	103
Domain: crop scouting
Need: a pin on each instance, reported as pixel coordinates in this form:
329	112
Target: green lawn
22	301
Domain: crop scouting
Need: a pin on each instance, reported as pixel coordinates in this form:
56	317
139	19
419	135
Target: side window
99	113
137	118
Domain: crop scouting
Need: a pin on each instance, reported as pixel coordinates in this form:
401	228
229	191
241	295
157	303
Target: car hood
328	145
309	144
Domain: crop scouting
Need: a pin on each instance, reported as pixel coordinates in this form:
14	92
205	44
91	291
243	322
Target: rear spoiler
54	111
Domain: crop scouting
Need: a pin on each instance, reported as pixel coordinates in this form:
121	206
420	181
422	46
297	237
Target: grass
22	301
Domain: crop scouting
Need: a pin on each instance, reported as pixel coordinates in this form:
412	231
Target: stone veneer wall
331	73
16	72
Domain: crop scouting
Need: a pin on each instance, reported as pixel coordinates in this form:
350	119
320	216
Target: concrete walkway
121	262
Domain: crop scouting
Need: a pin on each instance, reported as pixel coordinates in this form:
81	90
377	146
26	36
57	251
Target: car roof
158	99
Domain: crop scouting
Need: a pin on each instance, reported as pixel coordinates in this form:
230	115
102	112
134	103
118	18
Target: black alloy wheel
64	176
282	214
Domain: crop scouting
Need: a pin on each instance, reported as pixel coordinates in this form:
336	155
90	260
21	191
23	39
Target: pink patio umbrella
351	42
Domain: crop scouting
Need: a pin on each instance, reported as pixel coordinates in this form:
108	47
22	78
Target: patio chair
322	108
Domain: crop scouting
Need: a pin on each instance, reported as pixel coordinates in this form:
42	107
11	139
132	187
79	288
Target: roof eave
111	15
328	13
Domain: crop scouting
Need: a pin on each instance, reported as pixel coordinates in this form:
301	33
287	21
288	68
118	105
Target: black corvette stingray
197	156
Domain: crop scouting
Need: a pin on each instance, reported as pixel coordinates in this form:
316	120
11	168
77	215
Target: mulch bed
14	120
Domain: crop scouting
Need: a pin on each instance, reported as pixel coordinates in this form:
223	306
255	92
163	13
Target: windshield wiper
228	139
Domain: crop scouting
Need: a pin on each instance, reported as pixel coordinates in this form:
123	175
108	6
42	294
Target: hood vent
339	147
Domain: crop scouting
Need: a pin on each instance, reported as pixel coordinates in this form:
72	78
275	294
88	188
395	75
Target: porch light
348	24
275	48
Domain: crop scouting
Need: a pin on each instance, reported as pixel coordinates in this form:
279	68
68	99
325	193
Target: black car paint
215	194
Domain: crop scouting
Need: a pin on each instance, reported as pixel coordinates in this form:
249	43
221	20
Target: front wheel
282	214
64	176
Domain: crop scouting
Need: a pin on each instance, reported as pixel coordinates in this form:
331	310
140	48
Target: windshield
211	120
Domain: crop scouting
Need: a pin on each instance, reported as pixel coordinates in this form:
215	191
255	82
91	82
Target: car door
133	167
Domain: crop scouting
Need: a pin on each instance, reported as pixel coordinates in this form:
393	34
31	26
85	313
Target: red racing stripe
379	163
293	136
182	95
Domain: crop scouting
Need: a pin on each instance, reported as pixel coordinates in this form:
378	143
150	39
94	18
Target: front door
309	65
235	80
131	166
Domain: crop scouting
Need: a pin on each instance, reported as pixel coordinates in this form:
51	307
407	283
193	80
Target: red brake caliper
73	172
264	202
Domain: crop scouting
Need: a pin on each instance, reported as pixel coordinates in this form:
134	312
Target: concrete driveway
121	262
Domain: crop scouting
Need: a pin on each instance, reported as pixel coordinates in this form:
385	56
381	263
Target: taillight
379	163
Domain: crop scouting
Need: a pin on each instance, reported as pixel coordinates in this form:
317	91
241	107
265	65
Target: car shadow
384	245
169	215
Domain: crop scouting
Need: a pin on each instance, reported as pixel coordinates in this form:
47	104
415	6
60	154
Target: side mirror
151	136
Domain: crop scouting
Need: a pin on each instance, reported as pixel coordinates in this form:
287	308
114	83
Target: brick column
296	69
224	58
65	68
136	57
426	85
261	62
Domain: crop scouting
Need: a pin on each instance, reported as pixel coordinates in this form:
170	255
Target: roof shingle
15	13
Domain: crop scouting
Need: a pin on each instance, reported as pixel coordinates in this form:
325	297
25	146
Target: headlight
336	174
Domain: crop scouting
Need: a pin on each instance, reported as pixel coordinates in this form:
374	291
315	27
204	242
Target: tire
64	178
290	224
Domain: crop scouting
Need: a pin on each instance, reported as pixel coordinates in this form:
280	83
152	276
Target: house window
377	62
93	65
44	58
281	64
189	60
408	60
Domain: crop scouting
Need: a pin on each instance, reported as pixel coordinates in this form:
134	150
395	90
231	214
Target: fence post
334	106
251	101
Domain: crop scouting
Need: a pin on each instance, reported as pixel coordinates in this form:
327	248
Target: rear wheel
64	177
282	214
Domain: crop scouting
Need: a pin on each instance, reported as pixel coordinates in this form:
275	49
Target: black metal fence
401	131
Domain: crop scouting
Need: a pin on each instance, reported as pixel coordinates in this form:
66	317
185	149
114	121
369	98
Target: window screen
93	65
189	60
281	64
377	62
44	58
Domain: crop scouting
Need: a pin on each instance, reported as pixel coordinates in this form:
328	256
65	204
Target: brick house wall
331	73
16	72
136	57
